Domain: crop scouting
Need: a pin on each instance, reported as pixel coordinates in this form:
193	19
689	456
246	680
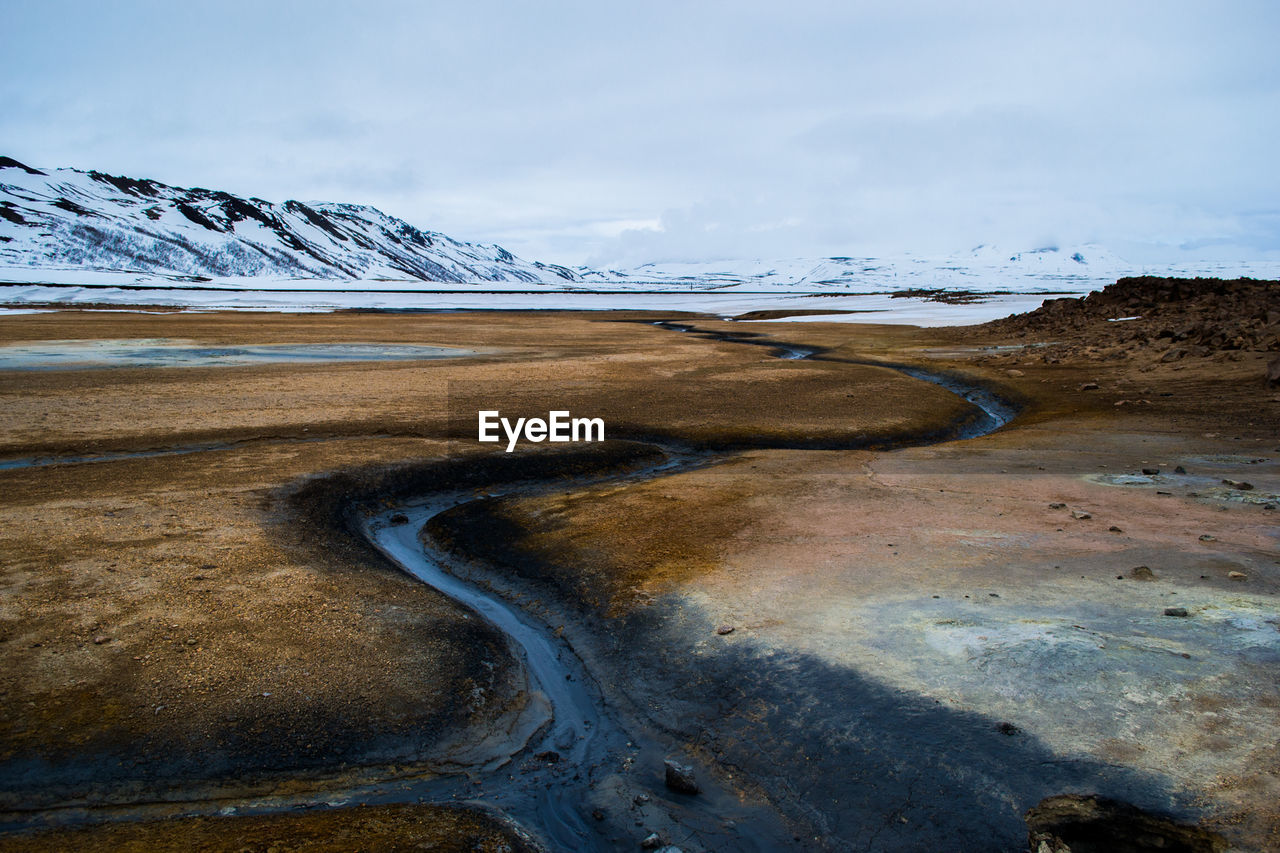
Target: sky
615	134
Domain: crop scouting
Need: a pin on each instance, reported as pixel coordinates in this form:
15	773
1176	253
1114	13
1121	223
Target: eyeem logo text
557	427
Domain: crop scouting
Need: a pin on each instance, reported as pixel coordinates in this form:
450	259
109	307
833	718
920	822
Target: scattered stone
597	814
100	639
192	642
1175	611
1179	470
398	519
1238	484
640	799
724	629
1237	576
1014	372
1080	514
1150	471
652	841
1056	505
1142	573
550	756
1007	728
679	777
1088	386
1114	529
1087	823
1273	371
1205	537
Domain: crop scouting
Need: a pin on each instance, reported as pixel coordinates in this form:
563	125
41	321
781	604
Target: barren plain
864	626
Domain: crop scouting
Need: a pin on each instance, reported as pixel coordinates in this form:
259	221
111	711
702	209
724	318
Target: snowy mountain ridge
67	219
66	227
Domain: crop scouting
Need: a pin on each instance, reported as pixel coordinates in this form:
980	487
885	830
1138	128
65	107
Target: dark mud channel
591	772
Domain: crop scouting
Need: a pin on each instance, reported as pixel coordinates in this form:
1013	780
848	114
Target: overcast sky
620	133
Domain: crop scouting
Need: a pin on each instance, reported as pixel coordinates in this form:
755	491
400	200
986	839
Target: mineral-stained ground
928	636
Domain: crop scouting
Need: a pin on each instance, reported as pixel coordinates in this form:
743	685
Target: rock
1142	573
1273	371
100	639
1175	611
1080	514
597	814
1088	386
1205	537
680	777
1173	354
1237	576
1238	484
1150	471
652	841
398	519
1114	529
724	629
1007	728
1057	506
550	756
1180	470
1014	372
1087	823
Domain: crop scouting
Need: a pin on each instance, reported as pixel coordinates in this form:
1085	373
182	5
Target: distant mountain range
67	219
66	227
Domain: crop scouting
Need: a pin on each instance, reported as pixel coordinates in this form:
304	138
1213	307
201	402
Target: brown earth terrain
185	633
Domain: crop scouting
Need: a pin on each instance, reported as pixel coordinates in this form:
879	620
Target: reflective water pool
169	352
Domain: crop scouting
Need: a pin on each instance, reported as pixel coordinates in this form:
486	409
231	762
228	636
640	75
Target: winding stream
586	733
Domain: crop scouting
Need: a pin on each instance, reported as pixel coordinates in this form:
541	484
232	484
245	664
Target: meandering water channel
586	731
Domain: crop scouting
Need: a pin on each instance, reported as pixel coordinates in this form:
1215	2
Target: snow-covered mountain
69	220
984	268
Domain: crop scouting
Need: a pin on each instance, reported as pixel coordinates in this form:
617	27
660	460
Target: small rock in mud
1180	470
398	519
1175	611
1088	386
680	778
597	814
1205	537
652	841
1150	472
1238	484
1115	529
1237	576
550	756
1007	728
724	629
1142	573
1080	514
100	639
1056	505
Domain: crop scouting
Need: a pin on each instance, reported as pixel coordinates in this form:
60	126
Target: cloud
724	128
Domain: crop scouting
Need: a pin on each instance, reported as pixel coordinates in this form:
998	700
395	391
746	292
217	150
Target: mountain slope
69	219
